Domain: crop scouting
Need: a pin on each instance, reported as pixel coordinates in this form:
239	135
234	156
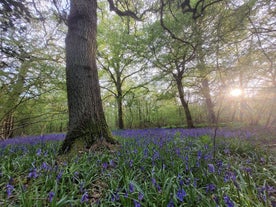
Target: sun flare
236	92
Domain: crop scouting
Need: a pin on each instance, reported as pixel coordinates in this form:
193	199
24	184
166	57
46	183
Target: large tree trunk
185	105
87	124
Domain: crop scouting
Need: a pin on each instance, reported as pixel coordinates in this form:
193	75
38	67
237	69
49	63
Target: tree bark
184	103
87	123
208	100
7	126
120	112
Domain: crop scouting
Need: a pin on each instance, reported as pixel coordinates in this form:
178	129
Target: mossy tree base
86	138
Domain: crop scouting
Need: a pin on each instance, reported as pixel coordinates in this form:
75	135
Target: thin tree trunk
87	124
7	127
120	112
185	105
208	101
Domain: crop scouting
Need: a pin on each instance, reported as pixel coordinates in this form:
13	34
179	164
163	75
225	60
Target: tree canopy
156	61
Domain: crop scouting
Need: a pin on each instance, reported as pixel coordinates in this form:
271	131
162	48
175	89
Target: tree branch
126	13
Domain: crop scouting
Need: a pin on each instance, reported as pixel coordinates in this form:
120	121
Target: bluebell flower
45	166
228	201
140	196
170	204
104	165
181	193
177	151
38	152
84	197
210	188
216	199
211	168
59	176
155	155
9	189
112	163
195	182
229	176
153	181
226	151
51	196
33	174
181	182
136	204
115	197
131	188
199	155
262	160
131	163
247	170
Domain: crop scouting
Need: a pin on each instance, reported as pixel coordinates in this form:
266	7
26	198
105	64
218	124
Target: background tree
118	60
29	61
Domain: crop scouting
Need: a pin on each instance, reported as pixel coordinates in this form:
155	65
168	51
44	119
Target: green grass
152	168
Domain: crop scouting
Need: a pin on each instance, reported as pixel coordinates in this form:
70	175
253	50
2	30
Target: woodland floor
264	137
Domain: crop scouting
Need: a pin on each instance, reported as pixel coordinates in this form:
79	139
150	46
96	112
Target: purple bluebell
156	185
247	170
195	182
31	140
199	155
130	163
155	155
181	182
170	204
51	196
112	163
45	166
137	204
210	188
115	197
9	189
153	181
59	176
181	194
105	165
216	199
228	201
85	197
140	196
229	176
33	173
262	160
226	151
211	168
131	188
38	152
